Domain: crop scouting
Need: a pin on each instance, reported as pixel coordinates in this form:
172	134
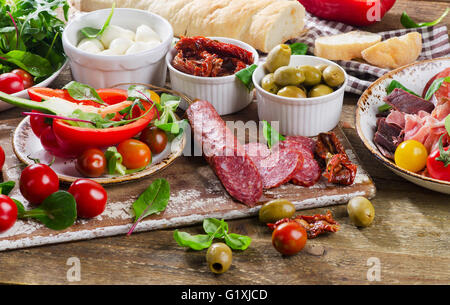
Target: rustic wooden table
409	239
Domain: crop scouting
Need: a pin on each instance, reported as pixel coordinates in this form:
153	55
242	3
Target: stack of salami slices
245	170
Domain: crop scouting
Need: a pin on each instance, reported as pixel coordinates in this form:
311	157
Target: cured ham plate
415	77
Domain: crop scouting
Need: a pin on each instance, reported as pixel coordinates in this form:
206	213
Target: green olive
321	67
333	76
288	76
313	76
275	210
319	90
219	257
279	56
268	83
291	91
361	211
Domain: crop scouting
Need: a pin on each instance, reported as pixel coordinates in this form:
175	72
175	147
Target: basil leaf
83	92
408	23
271	136
395	84
245	76
237	241
90	32
447	124
114	161
7	187
196	242
20	208
215	227
437	83
298	48
57	212
384	107
153	200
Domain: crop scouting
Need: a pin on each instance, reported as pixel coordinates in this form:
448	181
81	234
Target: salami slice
310	172
225	154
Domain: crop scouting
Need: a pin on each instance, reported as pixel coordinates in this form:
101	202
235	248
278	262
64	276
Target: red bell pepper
69	141
353	12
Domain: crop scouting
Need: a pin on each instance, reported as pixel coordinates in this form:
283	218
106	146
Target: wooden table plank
410	234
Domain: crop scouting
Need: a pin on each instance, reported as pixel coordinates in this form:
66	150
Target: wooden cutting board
196	193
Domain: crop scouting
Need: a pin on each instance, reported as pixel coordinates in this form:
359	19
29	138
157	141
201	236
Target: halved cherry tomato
411	155
438	164
91	163
2	157
37	182
26	77
289	238
135	154
155	138
10	83
90	197
8	213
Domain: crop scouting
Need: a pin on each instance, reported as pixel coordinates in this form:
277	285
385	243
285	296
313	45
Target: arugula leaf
90	32
114	161
153	200
195	242
271	136
437	83
408	23
7	187
298	48
168	120
245	76
237	241
447	124
83	92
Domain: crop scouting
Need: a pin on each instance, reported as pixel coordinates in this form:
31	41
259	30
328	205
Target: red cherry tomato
436	168
90	197
26	77
289	238
135	154
91	163
10	83
155	138
2	158
8	213
38	124
37	182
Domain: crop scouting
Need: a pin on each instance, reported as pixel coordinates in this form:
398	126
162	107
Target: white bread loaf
260	23
345	46
394	52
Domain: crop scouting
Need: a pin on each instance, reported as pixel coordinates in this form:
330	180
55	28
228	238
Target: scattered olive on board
219	257
279	56
360	211
275	210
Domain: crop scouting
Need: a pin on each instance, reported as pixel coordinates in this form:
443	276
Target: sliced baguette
394	52
345	46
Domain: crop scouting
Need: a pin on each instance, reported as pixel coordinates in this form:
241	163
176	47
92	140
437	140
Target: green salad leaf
7	187
272	136
114	161
90	32
83	92
245	76
435	85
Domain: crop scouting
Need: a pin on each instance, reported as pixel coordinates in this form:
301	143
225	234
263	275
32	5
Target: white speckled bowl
414	77
226	93
101	71
300	116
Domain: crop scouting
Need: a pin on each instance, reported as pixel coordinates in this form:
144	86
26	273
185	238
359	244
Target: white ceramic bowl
101	71
300	116
24	93
226	93
414	77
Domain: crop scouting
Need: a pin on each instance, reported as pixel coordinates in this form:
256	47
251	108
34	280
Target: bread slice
394	52
345	46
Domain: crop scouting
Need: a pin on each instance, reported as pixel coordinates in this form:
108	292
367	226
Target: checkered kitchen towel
435	43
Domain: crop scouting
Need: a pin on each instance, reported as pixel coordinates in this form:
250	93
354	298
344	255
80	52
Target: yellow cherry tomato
411	155
153	96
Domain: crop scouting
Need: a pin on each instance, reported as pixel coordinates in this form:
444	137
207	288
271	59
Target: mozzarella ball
120	45
144	33
91	45
112	32
140	46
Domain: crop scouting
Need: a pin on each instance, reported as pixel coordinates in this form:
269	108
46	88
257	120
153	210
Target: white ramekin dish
300	116
226	93
101	71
